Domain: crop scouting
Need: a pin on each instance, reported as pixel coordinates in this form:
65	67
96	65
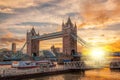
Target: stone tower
69	44
32	44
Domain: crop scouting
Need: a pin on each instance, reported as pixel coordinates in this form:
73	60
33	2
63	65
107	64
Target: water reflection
73	76
101	74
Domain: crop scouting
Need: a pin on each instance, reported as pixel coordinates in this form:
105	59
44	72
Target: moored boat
23	64
32	64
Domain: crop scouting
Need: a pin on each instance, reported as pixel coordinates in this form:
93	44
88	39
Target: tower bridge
68	35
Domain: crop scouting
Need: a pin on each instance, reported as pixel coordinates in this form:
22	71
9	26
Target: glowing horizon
98	21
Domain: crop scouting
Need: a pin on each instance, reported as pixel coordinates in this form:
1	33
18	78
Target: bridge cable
80	40
23	47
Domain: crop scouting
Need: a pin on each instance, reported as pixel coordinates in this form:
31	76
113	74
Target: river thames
101	74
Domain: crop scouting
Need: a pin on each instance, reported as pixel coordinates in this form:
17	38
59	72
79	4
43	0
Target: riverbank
43	74
16	74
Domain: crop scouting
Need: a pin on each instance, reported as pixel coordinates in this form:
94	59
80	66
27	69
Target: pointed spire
52	47
33	30
75	25
62	23
69	20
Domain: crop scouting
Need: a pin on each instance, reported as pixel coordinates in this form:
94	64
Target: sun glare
97	53
97	56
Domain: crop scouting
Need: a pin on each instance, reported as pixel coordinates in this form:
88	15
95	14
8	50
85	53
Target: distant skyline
98	21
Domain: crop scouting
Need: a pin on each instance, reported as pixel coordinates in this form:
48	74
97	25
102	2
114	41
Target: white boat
23	64
32	64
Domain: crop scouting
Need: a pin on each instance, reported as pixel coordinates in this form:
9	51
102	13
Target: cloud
5	16
114	47
48	43
7	39
96	35
8	6
20	3
38	24
18	16
6	10
115	27
100	11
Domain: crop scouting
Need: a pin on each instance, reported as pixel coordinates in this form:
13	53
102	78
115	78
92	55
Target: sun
97	53
97	57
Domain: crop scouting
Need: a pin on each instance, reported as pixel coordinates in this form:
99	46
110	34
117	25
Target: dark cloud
113	27
4	16
44	7
38	24
22	28
72	14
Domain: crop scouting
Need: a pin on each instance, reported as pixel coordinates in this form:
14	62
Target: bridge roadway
48	36
59	35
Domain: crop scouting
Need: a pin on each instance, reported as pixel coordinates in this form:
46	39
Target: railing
75	65
14	71
115	64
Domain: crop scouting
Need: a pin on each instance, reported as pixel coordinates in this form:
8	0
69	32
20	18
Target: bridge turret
75	29
33	31
63	25
69	44
69	22
32	45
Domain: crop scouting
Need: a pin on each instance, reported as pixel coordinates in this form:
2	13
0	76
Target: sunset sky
98	21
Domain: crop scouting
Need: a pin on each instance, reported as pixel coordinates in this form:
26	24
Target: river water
101	74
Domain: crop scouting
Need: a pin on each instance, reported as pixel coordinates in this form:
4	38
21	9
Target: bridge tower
69	44
32	44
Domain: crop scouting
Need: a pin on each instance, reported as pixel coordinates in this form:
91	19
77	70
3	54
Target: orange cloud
9	38
8	6
101	13
20	3
113	47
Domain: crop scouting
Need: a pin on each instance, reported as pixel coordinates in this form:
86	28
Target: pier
15	74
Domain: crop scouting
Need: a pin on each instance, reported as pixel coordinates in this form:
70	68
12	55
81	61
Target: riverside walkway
75	66
16	74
